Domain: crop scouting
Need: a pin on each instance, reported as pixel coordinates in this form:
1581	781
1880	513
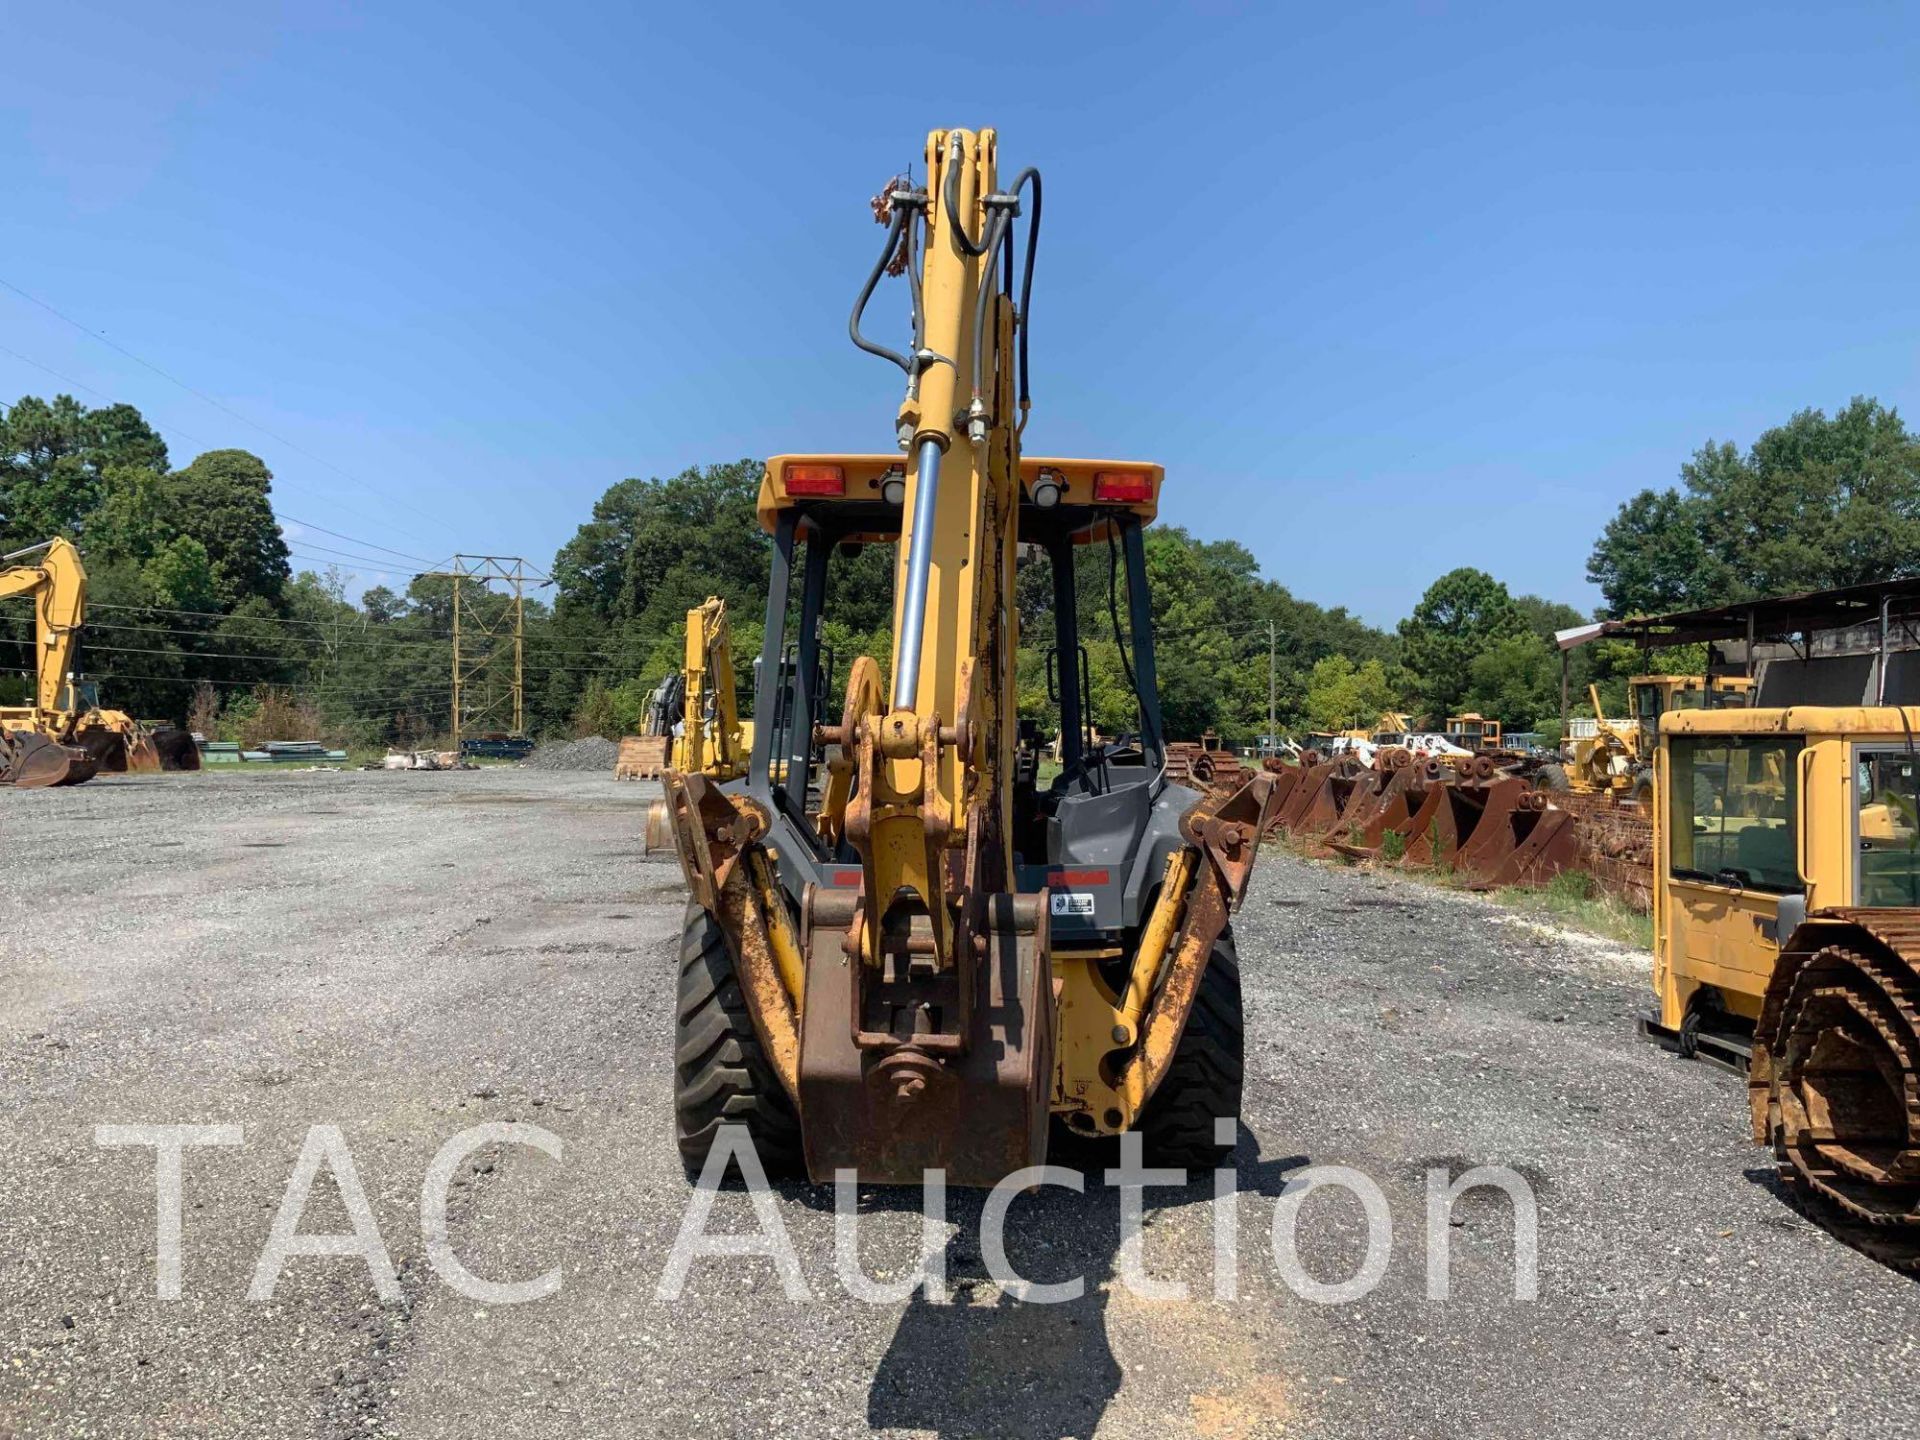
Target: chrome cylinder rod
913	613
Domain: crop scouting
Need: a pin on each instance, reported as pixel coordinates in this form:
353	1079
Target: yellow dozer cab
64	737
901	953
1787	940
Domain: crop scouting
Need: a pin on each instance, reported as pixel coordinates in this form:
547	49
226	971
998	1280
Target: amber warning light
816	480
1122	487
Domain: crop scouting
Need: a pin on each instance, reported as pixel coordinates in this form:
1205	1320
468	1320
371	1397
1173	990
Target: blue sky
1388	289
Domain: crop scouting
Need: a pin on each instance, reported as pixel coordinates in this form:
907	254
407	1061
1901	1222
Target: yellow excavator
901	953
712	739
64	737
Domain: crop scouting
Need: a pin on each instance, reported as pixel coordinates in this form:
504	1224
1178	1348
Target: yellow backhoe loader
1787	942
64	737
900	953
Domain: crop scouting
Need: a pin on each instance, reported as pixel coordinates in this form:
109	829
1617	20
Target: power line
168	427
219	405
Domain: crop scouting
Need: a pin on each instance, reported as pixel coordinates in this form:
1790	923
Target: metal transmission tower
481	635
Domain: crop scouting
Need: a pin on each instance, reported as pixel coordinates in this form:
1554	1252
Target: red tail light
816	480
1122	487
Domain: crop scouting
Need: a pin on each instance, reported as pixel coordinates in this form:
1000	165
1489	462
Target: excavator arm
57	581
712	739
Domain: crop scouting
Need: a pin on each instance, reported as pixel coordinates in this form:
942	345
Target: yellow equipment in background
1473	731
63	737
1787	929
1617	759
713	740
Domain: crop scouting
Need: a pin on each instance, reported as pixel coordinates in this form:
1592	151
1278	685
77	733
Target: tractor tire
720	1074
1553	778
1203	1083
1642	792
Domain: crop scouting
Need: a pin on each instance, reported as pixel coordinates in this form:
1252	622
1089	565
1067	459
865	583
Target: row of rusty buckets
1462	813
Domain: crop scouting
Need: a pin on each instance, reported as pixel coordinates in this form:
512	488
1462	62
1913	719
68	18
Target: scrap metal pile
1475	815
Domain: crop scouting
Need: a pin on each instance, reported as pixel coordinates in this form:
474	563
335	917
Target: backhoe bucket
1313	803
33	762
1285	778
1494	837
1440	833
1392	808
1545	840
906	1068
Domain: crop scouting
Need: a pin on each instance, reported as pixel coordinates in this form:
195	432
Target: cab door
1733	855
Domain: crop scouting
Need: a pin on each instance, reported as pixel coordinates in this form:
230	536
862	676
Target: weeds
1573	898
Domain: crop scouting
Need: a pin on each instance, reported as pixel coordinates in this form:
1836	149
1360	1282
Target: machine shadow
1855	1235
983	1364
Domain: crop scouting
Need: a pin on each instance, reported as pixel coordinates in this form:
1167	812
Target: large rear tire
1204	1082
721	1076
1552	777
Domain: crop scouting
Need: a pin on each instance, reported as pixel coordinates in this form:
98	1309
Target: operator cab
1107	817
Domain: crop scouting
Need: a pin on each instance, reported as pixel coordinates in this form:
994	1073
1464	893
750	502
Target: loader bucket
33	762
1546	841
118	752
176	749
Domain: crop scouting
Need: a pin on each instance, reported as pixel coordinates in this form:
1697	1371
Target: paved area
404	956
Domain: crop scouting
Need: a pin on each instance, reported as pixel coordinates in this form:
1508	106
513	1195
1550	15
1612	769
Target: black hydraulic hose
956	153
997	226
1026	276
901	213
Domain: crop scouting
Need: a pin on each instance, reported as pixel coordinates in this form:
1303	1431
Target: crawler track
1835	1078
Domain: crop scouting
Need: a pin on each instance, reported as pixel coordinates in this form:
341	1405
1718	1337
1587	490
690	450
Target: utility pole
493	629
1273	743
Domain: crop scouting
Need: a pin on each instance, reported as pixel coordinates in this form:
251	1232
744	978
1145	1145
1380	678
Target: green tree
1462	613
1345	696
221	500
53	460
1816	503
1515	680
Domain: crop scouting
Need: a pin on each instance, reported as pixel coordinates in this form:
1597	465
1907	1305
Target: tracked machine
64	737
1787	943
901	953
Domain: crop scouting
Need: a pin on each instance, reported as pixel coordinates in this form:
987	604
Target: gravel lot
406	955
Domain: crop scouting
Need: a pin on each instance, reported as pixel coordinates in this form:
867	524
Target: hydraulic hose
901	214
956	154
1026	176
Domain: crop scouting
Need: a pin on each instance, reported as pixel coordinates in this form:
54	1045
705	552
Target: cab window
1735	804
1886	789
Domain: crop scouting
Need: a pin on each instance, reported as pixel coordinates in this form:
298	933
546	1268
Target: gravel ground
406	955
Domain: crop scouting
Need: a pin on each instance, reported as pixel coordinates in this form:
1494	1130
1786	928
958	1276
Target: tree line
198	612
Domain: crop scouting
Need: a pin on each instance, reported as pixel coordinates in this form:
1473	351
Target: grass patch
1393	845
1574	899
